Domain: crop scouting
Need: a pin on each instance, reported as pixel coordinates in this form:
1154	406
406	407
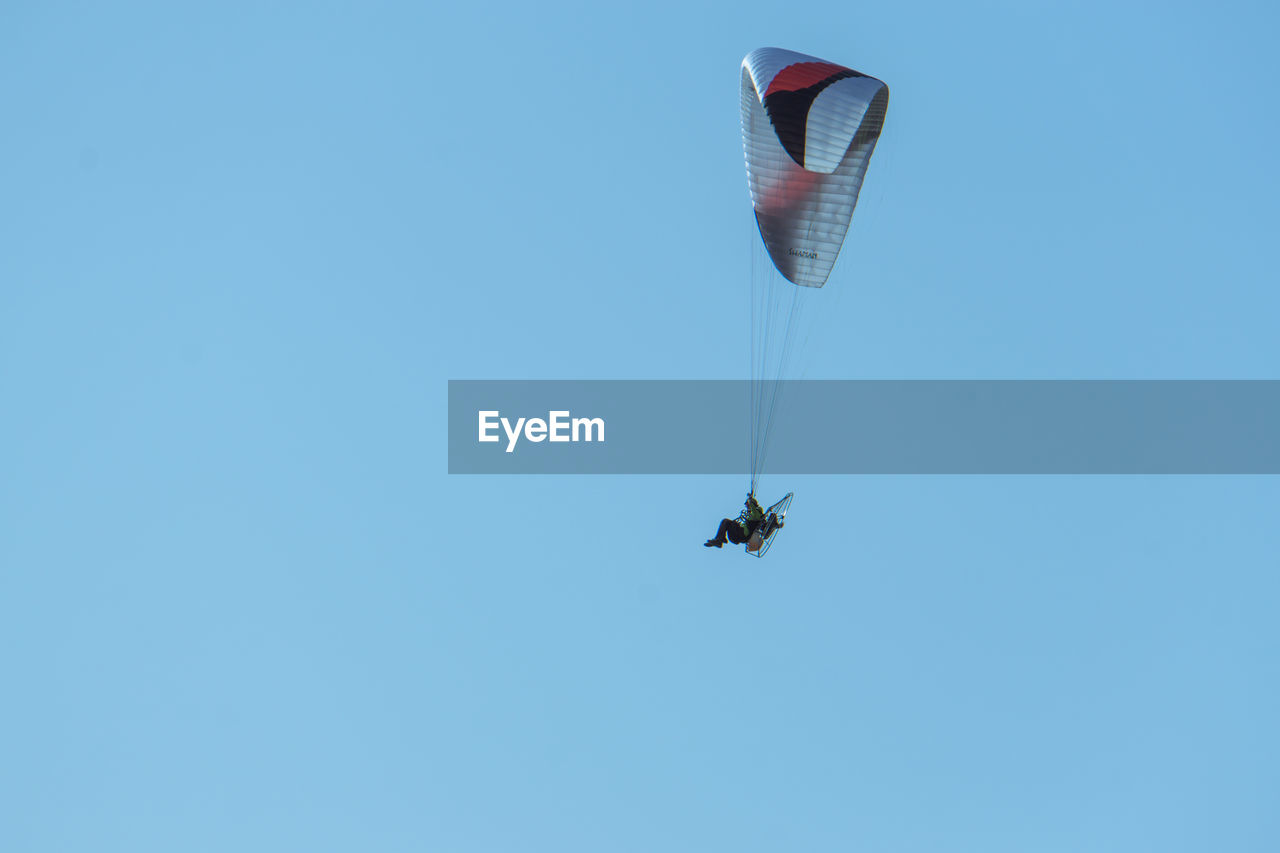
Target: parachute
809	128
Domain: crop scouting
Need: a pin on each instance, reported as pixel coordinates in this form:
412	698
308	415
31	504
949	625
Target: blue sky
242	605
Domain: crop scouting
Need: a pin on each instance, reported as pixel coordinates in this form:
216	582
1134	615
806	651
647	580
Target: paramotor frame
763	538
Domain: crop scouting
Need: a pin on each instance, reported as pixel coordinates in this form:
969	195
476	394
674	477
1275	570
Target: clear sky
243	607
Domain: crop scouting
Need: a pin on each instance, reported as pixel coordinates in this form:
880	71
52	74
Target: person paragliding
738	530
809	128
754	527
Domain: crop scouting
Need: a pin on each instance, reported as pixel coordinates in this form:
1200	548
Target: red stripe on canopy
801	76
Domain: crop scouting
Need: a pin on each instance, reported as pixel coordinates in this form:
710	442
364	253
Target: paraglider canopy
809	128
